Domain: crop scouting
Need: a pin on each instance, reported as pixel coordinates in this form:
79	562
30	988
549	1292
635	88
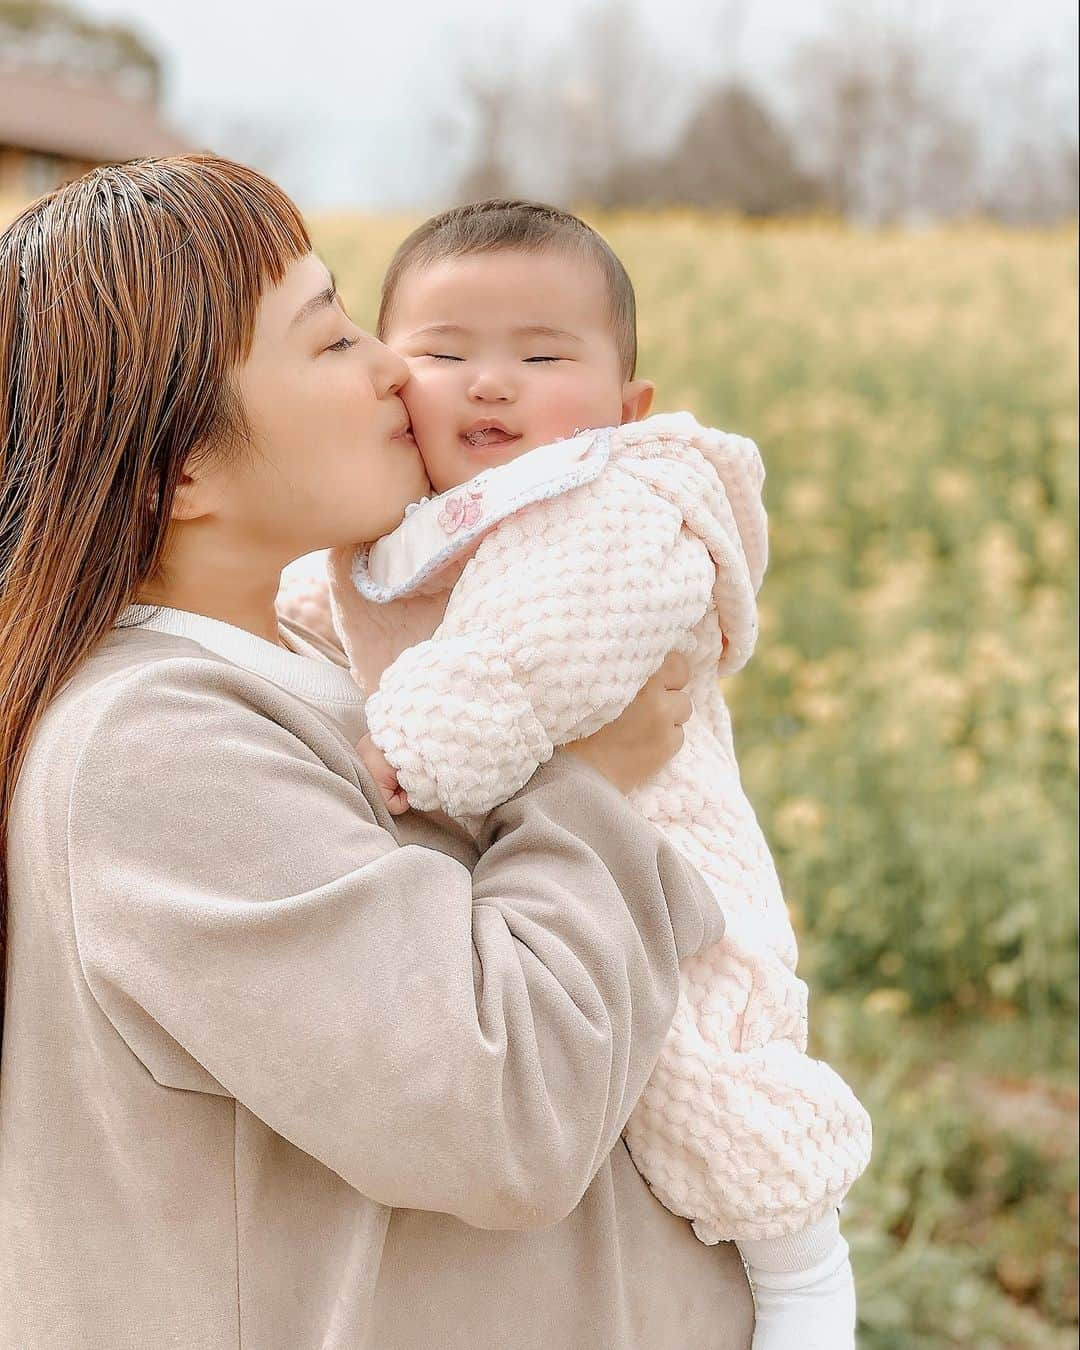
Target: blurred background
852	229
879	111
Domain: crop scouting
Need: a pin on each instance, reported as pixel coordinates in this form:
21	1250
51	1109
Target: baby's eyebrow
541	330
438	330
527	330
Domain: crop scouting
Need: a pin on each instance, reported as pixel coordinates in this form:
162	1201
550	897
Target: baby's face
507	351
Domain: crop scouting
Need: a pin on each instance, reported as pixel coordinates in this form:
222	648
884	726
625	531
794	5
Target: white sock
804	1292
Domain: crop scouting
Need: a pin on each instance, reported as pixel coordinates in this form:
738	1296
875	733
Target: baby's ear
637	397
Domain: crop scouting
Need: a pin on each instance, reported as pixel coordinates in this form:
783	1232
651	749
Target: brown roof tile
53	115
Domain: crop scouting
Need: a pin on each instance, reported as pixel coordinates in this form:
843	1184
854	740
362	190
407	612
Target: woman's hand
647	734
385	776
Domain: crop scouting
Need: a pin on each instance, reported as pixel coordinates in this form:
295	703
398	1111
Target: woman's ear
196	493
637	397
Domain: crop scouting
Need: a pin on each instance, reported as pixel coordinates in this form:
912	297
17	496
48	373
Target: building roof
56	115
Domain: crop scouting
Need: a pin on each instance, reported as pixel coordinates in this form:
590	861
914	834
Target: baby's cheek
446	462
422	399
576	408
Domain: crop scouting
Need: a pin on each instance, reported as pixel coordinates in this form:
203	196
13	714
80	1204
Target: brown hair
531	227
127	300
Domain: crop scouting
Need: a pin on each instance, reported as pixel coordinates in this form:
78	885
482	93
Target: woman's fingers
641	740
682	708
672	677
675	671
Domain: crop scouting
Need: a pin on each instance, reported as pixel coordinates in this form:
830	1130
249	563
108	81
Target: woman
279	1070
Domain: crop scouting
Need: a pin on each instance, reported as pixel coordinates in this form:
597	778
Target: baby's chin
446	475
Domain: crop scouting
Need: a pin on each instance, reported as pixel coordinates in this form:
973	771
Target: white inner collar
436	531
309	676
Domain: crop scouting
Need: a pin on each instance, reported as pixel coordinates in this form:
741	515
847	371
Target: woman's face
332	457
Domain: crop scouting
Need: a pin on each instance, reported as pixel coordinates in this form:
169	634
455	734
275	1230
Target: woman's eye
342	345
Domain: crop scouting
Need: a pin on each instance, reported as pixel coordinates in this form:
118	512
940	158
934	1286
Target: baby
522	608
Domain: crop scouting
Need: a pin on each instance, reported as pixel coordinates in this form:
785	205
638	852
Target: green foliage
963	1231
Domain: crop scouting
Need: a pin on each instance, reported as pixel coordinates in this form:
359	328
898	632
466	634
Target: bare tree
1033	175
627	87
490	171
490	118
733	154
886	125
880	113
729	23
613	122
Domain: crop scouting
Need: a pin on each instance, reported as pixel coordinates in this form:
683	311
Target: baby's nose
491	387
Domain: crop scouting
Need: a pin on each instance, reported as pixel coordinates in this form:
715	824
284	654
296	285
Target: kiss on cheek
507	351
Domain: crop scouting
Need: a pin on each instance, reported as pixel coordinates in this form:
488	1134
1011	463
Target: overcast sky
360	102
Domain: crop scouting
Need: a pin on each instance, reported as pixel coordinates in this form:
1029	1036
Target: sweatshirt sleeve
555	624
466	1043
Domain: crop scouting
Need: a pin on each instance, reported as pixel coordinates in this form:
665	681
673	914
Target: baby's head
519	327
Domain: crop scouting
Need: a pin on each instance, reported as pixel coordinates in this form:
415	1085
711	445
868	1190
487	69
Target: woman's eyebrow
317	302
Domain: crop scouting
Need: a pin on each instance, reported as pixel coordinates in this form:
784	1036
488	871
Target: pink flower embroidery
462	511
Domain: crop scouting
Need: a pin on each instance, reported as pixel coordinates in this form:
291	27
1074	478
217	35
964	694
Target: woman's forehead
306	288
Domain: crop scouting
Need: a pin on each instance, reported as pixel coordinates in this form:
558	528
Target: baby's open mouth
478	437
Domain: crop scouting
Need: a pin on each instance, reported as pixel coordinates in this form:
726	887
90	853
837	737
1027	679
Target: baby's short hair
531	227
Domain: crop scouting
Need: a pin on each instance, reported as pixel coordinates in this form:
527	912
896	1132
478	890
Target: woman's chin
417	486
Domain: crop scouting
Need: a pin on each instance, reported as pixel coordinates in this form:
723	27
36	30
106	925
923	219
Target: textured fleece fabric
558	600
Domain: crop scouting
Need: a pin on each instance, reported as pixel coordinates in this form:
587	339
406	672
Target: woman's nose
389	372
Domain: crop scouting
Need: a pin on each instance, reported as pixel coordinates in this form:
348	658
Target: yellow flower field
908	727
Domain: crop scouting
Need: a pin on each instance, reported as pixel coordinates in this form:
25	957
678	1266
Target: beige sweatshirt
353	1086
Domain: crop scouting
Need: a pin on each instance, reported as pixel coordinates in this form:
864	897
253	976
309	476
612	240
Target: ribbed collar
304	672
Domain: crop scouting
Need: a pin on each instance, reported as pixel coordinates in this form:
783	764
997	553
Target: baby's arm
564	612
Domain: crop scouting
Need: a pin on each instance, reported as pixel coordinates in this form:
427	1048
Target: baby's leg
804	1291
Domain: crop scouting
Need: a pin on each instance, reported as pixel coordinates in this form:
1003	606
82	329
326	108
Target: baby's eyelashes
528	360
